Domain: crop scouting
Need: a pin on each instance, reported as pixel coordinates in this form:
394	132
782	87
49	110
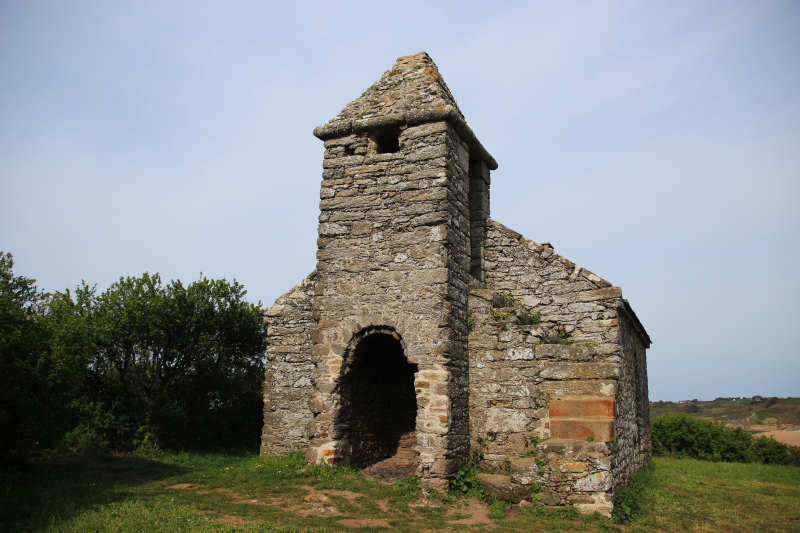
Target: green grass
246	493
717	496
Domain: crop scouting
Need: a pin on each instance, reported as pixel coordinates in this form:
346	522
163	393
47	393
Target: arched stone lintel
416	331
372	330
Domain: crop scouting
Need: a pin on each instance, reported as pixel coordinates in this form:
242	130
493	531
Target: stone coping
445	113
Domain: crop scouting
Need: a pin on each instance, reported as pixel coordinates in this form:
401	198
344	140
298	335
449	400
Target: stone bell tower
404	206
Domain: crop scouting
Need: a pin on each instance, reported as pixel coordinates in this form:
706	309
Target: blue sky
654	143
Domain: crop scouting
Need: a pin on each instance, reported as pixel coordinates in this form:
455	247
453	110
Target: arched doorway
378	409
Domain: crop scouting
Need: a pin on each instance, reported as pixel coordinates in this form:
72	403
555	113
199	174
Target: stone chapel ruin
429	332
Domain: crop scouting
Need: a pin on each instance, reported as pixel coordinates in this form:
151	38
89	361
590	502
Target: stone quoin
430	333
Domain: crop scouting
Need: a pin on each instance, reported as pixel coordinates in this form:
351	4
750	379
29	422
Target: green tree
178	365
25	406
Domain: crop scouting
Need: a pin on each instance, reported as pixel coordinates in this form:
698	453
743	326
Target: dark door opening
378	402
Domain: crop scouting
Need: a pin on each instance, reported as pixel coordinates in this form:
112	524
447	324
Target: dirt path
462	515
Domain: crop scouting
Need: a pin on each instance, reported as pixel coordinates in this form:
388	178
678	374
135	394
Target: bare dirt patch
792	438
183	486
233	520
318	511
235	496
238	498
317	503
352	522
424	502
346	494
479	512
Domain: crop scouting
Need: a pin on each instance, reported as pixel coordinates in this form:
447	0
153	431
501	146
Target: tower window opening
387	142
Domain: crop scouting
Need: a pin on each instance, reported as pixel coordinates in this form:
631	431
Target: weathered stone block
550	497
582	408
589	296
602	388
505	420
566	352
598	482
527	471
568	467
501	487
601	430
563	370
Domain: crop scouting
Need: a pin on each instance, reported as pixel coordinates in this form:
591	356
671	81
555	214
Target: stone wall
533	405
508	409
393	252
574	304
288	395
557	356
515	377
634	448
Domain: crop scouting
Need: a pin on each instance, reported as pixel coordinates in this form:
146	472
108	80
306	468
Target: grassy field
738	413
219	493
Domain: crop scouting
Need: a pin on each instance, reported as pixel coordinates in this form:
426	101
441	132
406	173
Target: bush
466	479
769	451
139	366
680	435
172	365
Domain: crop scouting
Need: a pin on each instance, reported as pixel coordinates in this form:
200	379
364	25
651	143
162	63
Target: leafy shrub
691	408
140	366
770	451
680	435
164	365
466	479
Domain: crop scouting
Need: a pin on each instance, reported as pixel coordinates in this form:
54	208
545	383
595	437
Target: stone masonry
430	332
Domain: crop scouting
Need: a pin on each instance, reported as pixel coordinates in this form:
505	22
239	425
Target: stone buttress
429	332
